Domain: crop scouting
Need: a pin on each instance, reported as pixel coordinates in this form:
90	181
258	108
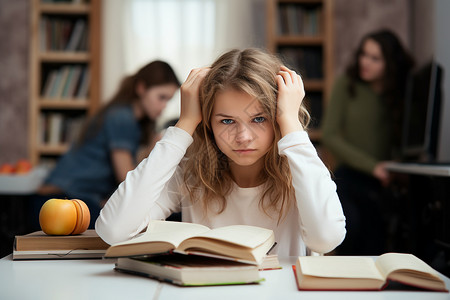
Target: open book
190	270
365	273
244	243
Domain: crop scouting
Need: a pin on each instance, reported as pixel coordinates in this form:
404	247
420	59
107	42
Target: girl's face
241	129
153	100
371	62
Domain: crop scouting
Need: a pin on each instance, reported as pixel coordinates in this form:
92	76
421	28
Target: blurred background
96	43
192	33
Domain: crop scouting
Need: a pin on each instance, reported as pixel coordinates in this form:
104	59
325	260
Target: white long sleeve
131	206
322	221
154	190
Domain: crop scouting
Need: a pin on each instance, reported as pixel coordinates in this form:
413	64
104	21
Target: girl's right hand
191	114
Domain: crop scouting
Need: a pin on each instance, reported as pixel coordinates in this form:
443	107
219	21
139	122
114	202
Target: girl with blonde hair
239	154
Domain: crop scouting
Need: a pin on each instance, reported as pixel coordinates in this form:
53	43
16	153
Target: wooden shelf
314	85
301	32
64	104
64	8
301	1
59	57
294	40
69	80
52	149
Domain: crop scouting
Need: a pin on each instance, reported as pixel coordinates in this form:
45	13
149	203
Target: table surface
96	279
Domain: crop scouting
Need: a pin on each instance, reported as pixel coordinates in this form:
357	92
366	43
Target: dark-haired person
108	144
362	129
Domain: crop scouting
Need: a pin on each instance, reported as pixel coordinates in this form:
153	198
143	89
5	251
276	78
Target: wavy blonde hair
206	176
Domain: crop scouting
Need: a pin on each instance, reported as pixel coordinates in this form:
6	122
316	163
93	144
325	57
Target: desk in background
96	279
420	169
424	212
15	196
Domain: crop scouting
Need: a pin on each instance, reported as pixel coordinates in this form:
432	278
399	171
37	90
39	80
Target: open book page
390	262
243	235
408	268
340	267
167	231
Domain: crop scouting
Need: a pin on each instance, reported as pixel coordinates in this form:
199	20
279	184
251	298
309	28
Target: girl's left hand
290	96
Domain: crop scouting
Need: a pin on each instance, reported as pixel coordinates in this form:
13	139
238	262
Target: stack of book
190	254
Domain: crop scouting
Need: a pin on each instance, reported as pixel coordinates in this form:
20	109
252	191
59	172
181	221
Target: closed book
365	273
38	245
248	244
190	270
76	35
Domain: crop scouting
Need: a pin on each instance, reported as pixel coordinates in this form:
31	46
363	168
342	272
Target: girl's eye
259	119
227	121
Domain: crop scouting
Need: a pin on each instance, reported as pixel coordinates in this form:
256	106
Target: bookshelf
300	31
64	73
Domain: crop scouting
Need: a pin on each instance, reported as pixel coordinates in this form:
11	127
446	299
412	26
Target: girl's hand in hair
290	96
191	115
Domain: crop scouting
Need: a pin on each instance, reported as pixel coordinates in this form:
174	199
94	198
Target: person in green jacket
362	128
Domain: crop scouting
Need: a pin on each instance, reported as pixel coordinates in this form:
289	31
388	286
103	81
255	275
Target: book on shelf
76	37
65	83
73	82
57	128
65	70
38	245
49	83
190	270
83	88
299	20
248	244
365	273
308	61
57	34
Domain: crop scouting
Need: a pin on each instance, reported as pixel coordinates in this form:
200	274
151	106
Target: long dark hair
152	74
398	65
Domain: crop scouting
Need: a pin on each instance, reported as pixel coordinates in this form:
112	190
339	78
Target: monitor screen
422	114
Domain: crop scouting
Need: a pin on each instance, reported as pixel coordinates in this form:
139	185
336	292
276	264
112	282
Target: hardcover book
365	273
38	245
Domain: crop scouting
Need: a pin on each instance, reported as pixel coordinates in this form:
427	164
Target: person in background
239	154
108	145
362	128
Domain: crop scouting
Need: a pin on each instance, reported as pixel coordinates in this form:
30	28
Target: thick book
365	273
38	245
190	270
244	243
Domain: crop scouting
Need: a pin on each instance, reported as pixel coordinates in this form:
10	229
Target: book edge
180	283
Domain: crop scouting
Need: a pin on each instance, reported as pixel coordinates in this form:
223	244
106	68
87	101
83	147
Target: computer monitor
422	114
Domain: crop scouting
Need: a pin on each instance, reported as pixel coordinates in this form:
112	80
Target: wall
442	55
14	34
423	39
354	18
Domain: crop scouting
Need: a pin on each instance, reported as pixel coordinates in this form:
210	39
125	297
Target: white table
96	279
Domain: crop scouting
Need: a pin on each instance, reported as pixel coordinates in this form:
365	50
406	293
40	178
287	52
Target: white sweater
154	190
